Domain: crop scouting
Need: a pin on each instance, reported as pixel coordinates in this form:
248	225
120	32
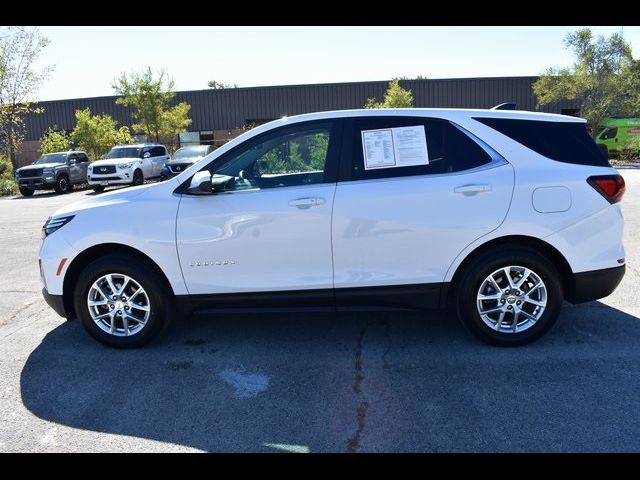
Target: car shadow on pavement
357	381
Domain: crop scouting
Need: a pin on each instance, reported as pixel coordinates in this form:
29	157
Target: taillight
611	187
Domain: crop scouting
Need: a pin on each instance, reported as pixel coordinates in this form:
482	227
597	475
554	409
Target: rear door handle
472	189
306	202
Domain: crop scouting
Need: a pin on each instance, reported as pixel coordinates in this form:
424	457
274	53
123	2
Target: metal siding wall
230	108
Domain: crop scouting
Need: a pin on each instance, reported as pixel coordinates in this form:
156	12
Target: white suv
502	214
127	165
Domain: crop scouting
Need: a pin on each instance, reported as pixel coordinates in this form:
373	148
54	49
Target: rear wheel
511	297
138	178
98	188
62	184
26	192
122	302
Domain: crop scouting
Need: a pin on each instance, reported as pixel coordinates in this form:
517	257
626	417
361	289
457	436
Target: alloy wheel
118	305
511	299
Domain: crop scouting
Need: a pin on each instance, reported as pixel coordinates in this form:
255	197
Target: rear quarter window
567	142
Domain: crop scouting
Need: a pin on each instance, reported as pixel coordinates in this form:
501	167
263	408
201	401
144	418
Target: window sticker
394	147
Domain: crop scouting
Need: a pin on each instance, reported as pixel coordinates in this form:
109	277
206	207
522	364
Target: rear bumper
595	284
55	301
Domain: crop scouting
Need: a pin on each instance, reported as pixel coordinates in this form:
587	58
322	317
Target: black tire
26	192
468	286
62	184
160	300
138	177
98	188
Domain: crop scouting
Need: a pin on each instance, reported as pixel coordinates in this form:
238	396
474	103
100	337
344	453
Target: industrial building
221	114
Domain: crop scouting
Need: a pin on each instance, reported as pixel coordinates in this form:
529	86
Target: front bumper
121	177
56	302
36	183
595	284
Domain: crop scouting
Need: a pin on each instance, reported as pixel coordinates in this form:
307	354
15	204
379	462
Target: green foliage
55	141
604	78
149	96
96	134
216	85
20	48
395	97
174	121
630	149
8	185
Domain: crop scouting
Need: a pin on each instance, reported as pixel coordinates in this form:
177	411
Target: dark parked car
59	171
183	159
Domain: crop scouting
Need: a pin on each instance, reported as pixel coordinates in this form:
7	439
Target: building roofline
296	85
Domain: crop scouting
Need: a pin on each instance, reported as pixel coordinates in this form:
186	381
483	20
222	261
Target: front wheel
122	302
25	192
98	188
62	184
509	297
138	178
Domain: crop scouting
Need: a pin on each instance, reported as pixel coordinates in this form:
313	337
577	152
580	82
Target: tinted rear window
567	142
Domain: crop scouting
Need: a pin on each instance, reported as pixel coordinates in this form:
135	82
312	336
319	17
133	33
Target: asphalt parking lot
366	382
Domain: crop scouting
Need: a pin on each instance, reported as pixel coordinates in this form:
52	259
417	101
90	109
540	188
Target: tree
54	141
149	95
395	97
216	85
604	78
174	121
96	134
20	48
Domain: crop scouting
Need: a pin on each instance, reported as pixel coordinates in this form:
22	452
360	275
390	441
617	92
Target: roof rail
505	106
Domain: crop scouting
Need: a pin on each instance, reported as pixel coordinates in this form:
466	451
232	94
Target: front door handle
306	202
472	189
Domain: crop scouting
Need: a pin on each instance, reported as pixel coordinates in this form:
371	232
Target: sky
88	59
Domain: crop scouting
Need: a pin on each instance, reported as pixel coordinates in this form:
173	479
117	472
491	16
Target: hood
42	165
113	161
104	199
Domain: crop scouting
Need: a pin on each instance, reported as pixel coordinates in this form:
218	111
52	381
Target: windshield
52	158
128	152
190	152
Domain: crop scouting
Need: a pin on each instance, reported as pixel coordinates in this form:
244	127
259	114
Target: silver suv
59	171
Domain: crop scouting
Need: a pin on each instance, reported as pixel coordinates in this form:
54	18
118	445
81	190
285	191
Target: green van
616	133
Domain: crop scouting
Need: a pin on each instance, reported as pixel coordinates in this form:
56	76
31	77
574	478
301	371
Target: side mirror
72	161
146	155
200	184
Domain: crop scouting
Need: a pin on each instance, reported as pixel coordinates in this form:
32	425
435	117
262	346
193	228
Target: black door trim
416	296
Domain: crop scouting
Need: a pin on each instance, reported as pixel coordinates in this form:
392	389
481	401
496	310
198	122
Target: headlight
124	166
47	172
53	224
89	168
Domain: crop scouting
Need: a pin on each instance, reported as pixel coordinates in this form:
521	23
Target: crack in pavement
353	444
16	313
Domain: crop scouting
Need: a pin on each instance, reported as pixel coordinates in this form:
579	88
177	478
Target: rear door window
449	149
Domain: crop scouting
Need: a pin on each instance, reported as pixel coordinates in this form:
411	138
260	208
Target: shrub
630	151
8	187
8	184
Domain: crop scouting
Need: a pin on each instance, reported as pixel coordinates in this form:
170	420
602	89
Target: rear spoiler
505	106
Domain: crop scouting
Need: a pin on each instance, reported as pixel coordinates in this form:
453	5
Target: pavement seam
353	444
